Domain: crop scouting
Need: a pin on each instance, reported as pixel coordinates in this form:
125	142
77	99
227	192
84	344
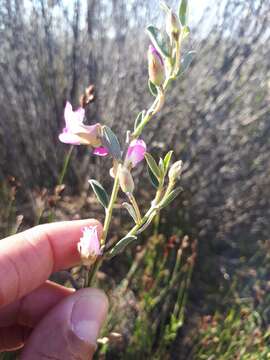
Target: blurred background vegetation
199	285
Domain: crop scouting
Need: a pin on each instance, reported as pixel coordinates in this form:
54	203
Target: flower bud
89	245
156	67
175	170
173	26
125	179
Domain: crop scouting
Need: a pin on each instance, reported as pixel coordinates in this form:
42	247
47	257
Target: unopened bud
173	26
125	179
156	67
176	170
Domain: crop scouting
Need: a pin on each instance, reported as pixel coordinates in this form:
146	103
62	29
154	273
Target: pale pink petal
86	129
68	113
89	246
100	151
79	114
69	138
73	118
135	153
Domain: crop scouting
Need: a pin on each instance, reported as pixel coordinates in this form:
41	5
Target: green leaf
167	161
120	246
111	142
169	198
151	162
186	31
164	6
160	40
139	119
147	223
185	62
153	179
183	12
131	211
152	88
100	192
161	167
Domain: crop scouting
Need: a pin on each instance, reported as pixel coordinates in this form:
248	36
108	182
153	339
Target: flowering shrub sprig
165	64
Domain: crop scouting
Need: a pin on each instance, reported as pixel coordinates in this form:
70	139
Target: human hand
49	320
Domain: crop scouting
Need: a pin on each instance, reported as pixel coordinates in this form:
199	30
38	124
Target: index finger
28	259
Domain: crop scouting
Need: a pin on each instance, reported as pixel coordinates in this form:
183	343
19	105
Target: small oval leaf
130	210
161	167
120	246
139	119
164	6
160	40
183	12
186	32
167	161
153	165
100	192
147	223
153	179
111	142
152	88
186	62
173	194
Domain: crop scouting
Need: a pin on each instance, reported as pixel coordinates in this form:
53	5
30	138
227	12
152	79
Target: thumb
70	330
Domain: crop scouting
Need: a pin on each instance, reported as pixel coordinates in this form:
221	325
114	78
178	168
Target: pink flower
89	245
76	133
135	153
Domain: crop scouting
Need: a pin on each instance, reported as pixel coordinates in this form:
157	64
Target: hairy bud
173	26
156	67
126	180
176	170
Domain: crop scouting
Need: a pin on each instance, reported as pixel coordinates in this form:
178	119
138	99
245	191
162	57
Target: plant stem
155	107
106	225
177	56
65	166
152	111
92	272
144	219
109	210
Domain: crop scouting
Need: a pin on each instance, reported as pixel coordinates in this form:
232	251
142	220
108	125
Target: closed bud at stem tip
175	171
173	26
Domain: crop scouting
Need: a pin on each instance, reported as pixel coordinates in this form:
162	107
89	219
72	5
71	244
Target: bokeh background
216	119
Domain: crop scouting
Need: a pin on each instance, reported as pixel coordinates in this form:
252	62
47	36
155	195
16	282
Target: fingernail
88	315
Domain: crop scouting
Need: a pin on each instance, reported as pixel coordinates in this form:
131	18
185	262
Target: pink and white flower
89	245
135	153
77	133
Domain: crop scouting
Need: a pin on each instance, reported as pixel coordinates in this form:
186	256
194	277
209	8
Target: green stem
106	225
177	56
65	166
92	272
135	228
109	210
152	111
